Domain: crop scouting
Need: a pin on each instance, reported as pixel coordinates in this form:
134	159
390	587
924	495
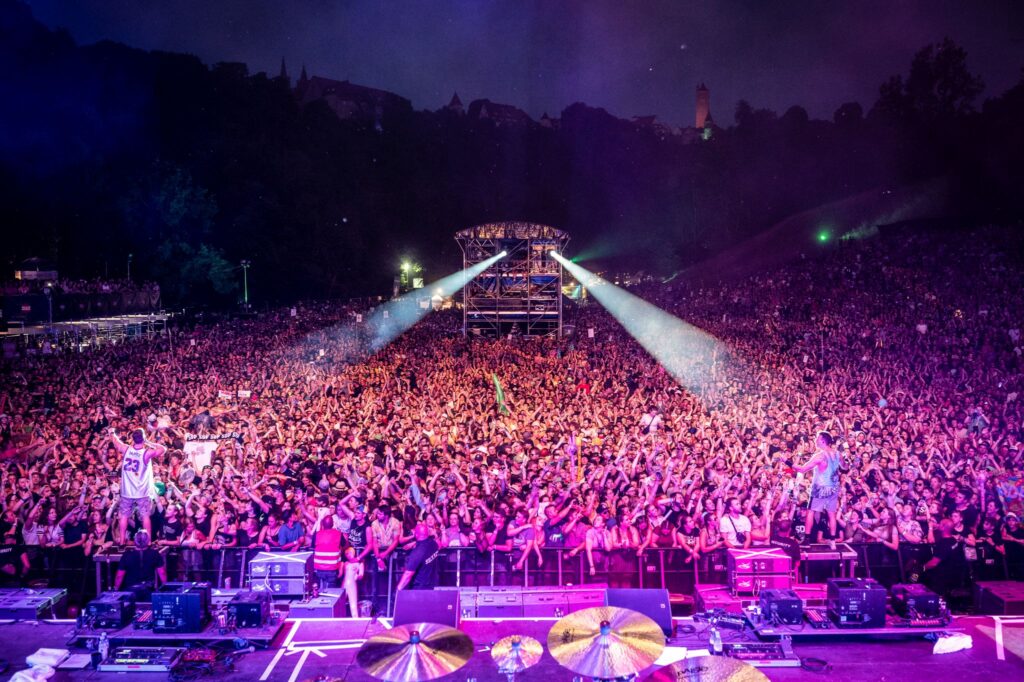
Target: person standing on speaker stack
421	564
825	463
137	489
327	553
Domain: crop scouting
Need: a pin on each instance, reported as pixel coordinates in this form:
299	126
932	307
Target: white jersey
136	474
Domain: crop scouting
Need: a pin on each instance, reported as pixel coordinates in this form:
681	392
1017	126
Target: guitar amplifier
758	560
250	609
181	607
856	602
281	565
499	604
110	610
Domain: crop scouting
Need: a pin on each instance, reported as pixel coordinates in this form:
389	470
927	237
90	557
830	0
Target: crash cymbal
708	669
606	642
516	653
415	651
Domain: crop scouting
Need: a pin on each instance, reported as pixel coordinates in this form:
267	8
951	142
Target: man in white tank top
136	479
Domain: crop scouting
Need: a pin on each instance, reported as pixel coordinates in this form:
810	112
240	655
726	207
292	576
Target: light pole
245	281
130	256
48	290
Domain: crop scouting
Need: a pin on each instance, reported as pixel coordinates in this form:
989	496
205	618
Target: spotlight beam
391	320
685	351
387	322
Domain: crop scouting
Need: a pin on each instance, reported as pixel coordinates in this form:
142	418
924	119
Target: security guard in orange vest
327	553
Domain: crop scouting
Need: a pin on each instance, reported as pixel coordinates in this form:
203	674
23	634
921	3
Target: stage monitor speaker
654	604
427	606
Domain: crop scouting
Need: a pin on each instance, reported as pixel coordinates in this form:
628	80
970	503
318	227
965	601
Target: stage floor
308	649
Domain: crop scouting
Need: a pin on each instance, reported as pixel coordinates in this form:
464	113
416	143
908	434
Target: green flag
499	395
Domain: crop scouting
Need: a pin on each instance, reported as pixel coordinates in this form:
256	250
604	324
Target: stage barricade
468	567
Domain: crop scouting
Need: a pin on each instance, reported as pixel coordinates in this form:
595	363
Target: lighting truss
522	293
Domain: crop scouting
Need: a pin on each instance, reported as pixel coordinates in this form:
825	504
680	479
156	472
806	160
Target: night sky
632	58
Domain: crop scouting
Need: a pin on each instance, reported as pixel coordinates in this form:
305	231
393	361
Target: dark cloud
543	56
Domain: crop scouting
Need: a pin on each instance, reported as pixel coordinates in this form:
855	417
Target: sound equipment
430	606
856	602
824	559
782	606
999	597
32	604
250	609
723	619
281	565
916	601
758	560
585	597
654	604
283	587
140	660
223	596
764	654
467	599
181	607
718	597
755	569
545	604
110	611
755	584
491	604
818	618
324	605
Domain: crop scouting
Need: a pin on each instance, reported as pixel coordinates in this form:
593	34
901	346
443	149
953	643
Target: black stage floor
308	649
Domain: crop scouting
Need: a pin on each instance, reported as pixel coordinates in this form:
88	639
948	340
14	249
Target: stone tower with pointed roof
703	106
284	73
456	105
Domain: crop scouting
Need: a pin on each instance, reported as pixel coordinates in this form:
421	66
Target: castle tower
284	73
456	105
703	106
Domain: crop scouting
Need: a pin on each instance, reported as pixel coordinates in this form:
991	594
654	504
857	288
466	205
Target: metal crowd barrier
469	567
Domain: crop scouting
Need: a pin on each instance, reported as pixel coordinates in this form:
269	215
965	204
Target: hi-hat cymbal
415	651
708	669
516	653
606	642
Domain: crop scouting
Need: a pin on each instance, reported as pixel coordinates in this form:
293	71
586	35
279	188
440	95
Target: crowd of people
95	285
880	377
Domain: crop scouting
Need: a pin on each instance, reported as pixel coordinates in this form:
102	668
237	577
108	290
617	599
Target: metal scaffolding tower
522	292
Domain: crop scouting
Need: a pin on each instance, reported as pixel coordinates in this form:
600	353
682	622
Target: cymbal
415	651
516	653
606	642
708	669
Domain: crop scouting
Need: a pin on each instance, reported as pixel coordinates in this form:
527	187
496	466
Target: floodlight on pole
246	264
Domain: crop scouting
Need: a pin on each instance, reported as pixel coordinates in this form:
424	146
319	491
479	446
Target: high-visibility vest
327	550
